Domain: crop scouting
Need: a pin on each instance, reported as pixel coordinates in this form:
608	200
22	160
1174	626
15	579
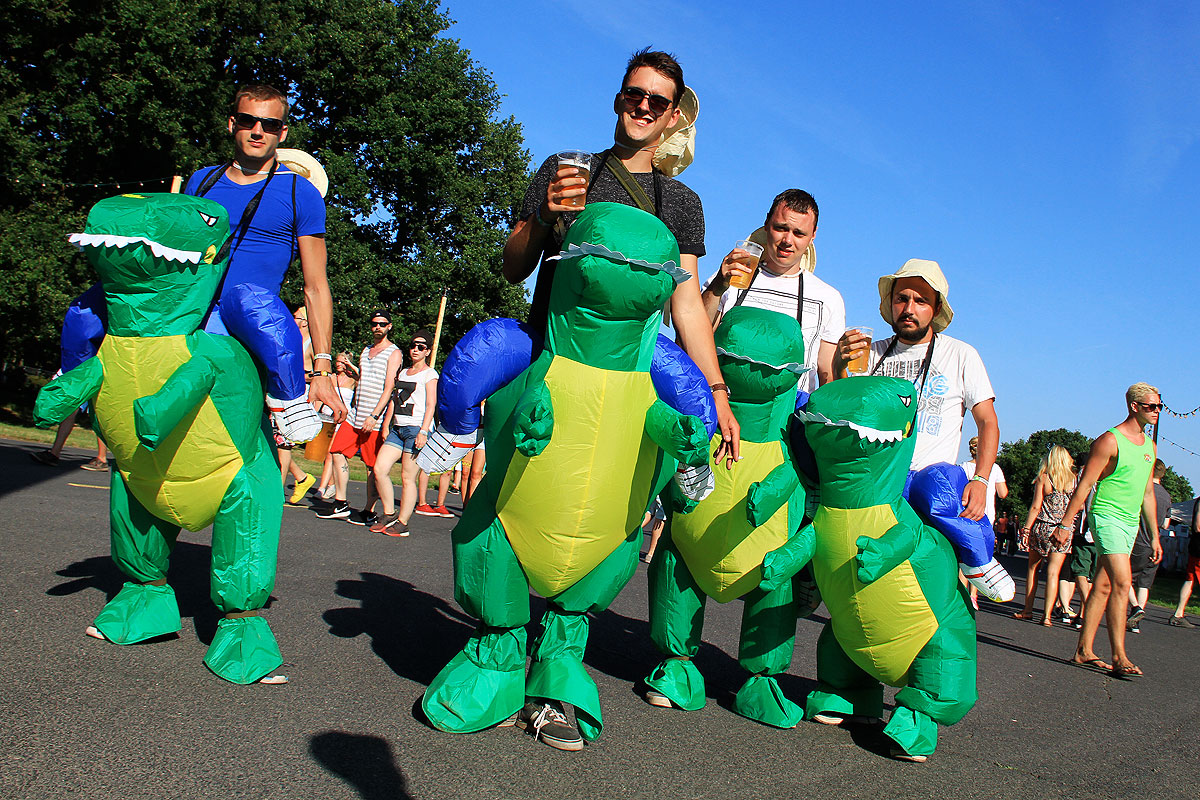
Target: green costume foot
914	733
482	686
139	612
243	650
678	680
762	700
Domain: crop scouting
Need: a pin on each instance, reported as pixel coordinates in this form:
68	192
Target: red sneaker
442	511
426	510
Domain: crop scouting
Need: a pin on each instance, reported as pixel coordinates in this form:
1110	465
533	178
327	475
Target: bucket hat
931	273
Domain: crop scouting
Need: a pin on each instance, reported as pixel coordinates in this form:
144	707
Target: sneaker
1133	627
367	518
1077	621
831	718
900	755
442	511
96	465
426	510
1180	622
548	721
296	420
45	457
1136	615
301	488
399	529
390	525
658	699
1065	618
336	511
327	493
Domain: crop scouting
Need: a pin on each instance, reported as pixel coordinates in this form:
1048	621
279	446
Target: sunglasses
375	324
633	97
1152	406
269	124
418	346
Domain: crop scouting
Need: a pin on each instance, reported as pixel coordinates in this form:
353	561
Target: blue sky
1046	154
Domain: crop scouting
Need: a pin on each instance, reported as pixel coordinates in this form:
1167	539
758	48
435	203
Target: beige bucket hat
808	261
303	164
677	145
931	273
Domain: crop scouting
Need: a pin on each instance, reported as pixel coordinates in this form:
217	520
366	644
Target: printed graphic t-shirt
410	396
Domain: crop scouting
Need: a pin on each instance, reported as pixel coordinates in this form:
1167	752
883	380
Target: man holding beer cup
949	374
635	171
779	282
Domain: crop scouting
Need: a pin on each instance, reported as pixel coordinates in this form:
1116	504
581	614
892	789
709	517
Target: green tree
424	175
1179	487
1020	461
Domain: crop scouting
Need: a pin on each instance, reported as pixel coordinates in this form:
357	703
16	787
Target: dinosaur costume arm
682	436
781	564
156	415
878	557
771	493
533	420
67	392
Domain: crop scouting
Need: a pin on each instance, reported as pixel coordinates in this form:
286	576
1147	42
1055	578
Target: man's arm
712	294
1103	451
825	353
1001	489
696	337
319	304
974	497
528	238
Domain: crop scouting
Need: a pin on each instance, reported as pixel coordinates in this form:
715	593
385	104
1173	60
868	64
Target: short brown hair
1160	468
797	200
658	61
259	91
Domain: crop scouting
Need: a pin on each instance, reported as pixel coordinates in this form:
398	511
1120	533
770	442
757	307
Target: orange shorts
350	440
1193	569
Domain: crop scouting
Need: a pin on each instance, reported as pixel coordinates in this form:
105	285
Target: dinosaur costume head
761	353
157	257
862	432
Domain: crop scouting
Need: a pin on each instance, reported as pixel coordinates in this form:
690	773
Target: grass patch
83	438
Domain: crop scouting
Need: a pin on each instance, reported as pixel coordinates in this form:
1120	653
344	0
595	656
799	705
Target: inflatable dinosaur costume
574	444
716	548
181	411
897	612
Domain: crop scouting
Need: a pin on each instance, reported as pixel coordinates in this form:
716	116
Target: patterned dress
1054	504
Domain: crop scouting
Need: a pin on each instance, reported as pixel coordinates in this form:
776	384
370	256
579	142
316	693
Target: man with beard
948	373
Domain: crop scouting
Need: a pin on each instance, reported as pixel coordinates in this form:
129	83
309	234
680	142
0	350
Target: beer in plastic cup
755	251
582	161
858	364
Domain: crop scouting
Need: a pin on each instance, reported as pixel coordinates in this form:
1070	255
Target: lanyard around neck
923	375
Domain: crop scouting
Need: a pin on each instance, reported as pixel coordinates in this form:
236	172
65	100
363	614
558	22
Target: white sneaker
992	581
296	420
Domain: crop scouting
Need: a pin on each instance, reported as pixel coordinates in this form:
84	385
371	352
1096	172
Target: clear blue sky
1047	154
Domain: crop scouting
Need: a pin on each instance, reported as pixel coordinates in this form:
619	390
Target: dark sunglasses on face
375	324
1152	406
269	124
633	97
418	346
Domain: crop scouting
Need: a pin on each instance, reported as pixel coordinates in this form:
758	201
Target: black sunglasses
634	96
375	324
1152	406
269	124
417	346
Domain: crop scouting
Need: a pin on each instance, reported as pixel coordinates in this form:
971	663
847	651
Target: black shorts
1140	566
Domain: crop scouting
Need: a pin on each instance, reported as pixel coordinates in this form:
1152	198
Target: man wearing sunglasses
646	107
1121	467
274	216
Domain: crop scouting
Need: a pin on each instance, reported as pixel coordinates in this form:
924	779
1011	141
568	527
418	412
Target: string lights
1174	413
119	185
1181	447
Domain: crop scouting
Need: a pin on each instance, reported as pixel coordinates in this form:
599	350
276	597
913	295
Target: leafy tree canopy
423	174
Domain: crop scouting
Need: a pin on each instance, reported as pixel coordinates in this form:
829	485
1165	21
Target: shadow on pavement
395	614
364	762
21	472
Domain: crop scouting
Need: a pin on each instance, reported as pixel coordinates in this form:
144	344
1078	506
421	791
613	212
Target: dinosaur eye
209	220
906	400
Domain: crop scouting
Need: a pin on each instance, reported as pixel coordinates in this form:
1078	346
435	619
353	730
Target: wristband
372	416
980	478
537	215
317	373
422	433
325	356
720	387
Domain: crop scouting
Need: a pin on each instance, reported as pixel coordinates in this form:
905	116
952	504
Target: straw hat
677	145
303	164
808	261
931	273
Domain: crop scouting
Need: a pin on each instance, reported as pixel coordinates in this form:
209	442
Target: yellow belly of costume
882	625
185	478
721	550
567	508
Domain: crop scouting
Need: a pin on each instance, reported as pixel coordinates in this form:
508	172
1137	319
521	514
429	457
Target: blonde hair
1139	392
1059	468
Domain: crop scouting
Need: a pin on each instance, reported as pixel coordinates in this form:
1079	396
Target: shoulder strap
210	180
630	184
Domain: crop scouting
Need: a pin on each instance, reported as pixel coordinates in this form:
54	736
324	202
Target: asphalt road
365	622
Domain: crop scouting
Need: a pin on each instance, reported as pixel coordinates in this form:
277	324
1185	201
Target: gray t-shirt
681	212
1162	502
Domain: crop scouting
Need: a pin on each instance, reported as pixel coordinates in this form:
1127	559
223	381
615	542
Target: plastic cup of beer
754	252
582	161
858	364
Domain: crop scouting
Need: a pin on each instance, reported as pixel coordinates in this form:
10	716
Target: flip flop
273	680
94	632
1022	615
1092	664
1127	673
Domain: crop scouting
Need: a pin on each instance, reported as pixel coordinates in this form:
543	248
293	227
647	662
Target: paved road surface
365	622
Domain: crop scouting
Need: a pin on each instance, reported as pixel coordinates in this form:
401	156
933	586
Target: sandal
1049	623
1093	664
1022	615
1127	673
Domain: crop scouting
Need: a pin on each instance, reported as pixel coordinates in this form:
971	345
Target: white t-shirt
824	311
410	396
996	476
956	381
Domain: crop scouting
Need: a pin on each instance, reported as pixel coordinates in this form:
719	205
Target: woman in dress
1051	490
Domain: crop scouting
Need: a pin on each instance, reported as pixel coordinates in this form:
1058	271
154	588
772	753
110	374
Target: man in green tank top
1122	460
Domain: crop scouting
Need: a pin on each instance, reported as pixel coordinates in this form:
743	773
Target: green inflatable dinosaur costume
716	548
181	411
574	448
897	613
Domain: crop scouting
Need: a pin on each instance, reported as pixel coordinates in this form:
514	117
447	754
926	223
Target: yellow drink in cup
858	364
582	161
754	253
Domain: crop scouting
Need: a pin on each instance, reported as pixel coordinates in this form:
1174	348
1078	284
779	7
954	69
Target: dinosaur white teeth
863	431
82	240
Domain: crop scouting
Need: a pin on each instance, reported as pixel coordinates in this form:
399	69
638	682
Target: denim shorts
403	437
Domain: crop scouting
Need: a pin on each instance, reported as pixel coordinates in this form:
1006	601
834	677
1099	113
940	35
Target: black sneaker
1133	627
1136	615
335	511
1180	622
367	518
548	721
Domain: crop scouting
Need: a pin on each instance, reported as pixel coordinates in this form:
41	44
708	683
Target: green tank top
1120	494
